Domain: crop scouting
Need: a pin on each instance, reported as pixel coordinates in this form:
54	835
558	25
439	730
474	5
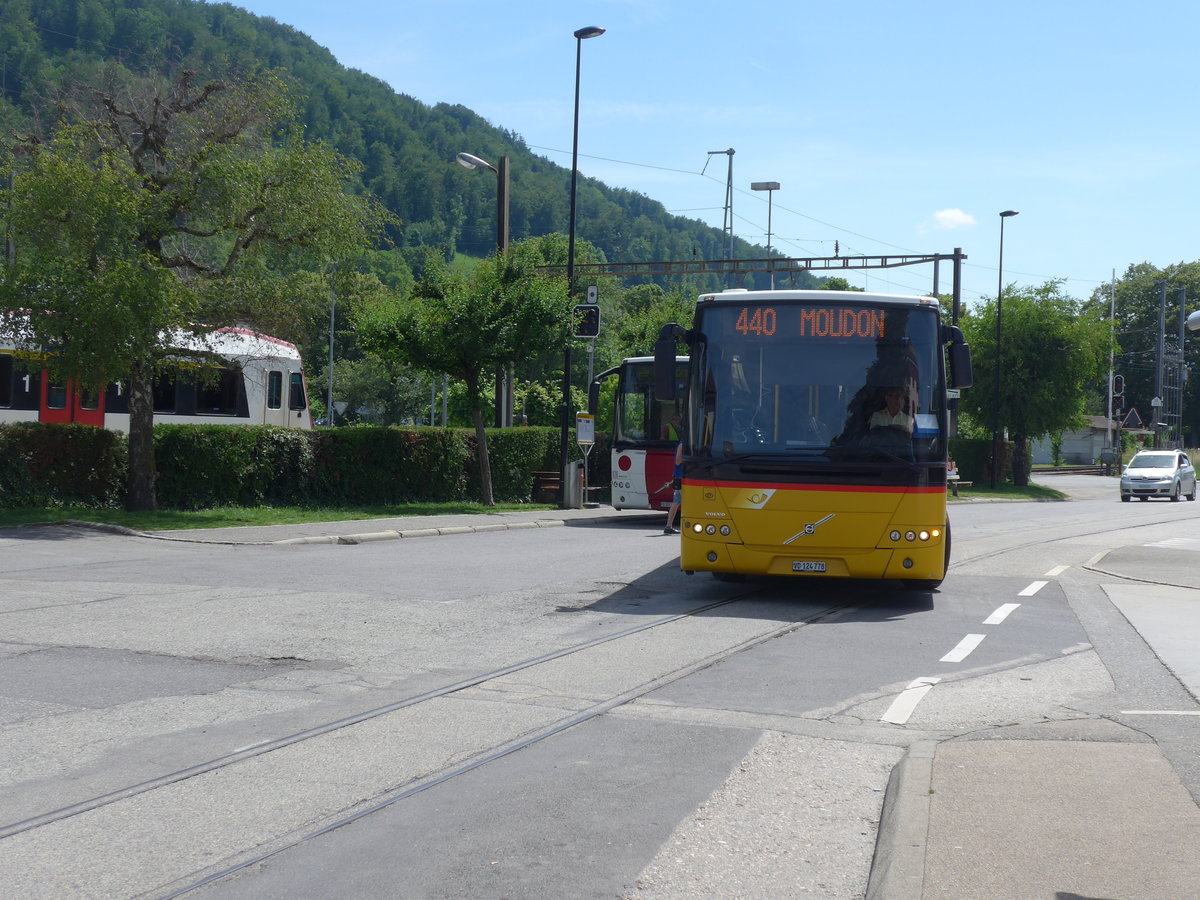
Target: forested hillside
406	147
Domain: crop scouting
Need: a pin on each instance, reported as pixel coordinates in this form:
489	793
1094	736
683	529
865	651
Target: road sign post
585	437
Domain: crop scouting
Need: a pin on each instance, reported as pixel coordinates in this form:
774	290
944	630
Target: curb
898	866
349	539
415	533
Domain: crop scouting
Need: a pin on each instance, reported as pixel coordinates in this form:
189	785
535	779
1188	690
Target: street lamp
469	161
581	35
999	314
770	187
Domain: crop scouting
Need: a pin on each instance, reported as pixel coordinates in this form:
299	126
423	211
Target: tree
154	210
1138	302
1053	350
837	283
470	324
636	333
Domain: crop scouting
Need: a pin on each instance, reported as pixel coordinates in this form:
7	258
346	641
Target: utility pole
1160	354
1112	340
727	217
1181	370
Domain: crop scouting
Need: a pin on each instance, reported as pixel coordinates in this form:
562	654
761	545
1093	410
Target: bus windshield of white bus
640	418
821	380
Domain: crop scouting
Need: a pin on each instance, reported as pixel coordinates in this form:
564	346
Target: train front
816	437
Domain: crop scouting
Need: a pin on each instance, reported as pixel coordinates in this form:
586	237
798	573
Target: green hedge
382	465
973	456
54	465
201	466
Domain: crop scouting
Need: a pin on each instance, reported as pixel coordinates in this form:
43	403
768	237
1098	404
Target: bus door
62	402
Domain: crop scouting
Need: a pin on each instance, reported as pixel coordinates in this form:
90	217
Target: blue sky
891	127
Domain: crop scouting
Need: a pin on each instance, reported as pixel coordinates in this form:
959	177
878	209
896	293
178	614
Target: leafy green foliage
54	465
156	208
390	465
406	149
1138	300
469	324
203	466
972	455
1053	349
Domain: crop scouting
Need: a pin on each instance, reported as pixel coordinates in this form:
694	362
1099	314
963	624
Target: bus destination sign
822	322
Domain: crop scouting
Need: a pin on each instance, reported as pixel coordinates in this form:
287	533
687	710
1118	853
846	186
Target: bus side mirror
593	397
961	375
664	370
664	362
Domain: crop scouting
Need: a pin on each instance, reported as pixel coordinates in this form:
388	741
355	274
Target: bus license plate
807	565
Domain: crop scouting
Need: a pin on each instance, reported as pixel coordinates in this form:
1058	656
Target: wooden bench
546	487
954	483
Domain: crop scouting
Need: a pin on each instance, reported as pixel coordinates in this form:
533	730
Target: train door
62	402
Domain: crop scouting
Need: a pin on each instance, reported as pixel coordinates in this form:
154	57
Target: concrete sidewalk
1100	815
1027	820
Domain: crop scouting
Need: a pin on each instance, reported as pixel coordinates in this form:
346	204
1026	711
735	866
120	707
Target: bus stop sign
585	429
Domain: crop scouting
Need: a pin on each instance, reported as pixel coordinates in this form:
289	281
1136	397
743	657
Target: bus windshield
822	380
640	419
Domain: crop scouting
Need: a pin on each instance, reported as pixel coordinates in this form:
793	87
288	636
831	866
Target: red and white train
249	379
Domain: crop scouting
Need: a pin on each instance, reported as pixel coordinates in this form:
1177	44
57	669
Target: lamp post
469	161
999	358
770	187
581	35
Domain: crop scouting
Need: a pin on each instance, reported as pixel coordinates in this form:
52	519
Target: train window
274	390
164	393
216	395
6	379
20	383
56	395
296	398
89	399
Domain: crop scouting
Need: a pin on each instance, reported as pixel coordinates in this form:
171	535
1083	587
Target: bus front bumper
916	562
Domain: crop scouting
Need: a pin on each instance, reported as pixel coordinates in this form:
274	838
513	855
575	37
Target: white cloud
953	218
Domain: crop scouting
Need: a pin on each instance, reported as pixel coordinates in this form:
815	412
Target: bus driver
893	414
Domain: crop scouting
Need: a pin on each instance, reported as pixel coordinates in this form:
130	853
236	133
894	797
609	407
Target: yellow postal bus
815	434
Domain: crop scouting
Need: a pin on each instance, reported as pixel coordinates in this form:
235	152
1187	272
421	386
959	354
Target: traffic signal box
587	320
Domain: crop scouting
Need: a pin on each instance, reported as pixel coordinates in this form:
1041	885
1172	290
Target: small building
1079	448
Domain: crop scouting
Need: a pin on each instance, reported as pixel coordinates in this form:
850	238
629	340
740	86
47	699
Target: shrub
44	464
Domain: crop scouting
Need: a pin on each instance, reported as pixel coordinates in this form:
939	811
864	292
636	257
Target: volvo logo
810	528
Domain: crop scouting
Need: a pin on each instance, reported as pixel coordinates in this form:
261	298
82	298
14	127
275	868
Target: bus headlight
725	530
710	529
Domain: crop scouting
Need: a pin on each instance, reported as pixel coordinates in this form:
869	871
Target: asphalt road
543	711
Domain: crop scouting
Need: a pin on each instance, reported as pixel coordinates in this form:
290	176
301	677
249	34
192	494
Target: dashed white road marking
1159	712
1001	614
902	707
964	648
1056	571
1033	588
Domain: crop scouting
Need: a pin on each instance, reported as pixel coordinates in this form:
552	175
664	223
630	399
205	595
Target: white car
1158	473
